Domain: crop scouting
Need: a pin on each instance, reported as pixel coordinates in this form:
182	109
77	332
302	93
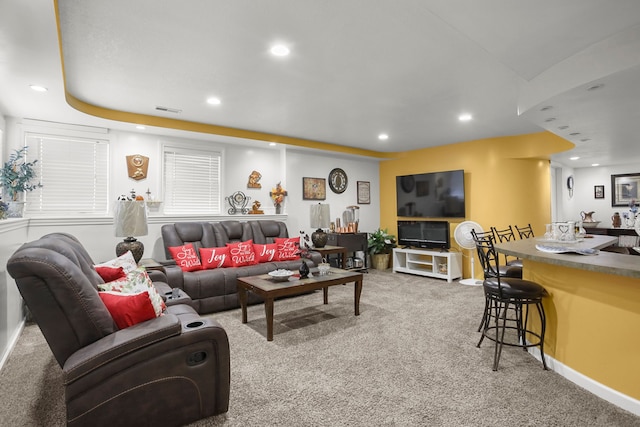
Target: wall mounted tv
424	234
431	195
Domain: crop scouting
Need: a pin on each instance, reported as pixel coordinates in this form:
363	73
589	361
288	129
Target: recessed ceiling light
596	87
550	119
140	127
595	164
465	117
547	108
563	127
214	101
280	50
585	139
574	158
38	88
383	137
574	133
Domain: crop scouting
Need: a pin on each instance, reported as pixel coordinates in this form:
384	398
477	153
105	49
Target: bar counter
593	315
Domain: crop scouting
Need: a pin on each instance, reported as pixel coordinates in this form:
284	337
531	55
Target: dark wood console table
353	242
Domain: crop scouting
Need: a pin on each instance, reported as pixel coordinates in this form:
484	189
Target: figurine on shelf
255	209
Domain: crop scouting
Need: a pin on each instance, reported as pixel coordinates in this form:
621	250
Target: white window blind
74	173
191	181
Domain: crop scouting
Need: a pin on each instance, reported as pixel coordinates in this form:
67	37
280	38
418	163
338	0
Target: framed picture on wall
598	191
624	188
364	192
314	189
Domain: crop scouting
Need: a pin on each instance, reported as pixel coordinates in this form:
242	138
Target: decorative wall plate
338	180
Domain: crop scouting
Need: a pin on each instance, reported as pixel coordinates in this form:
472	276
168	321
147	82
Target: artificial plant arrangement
17	175
381	242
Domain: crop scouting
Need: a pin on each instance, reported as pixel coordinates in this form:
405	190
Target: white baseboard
602	391
11	344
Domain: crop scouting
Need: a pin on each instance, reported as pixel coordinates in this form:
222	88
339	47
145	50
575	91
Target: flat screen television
431	195
424	234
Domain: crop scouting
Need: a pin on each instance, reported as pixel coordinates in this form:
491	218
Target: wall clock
570	185
338	180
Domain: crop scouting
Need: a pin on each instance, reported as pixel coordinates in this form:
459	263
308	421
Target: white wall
276	164
583	197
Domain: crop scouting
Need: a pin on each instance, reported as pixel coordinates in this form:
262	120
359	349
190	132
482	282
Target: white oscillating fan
464	239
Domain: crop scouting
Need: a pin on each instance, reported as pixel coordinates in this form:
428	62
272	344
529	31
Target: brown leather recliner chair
167	371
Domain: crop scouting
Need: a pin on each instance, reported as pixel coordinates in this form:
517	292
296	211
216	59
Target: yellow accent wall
592	321
507	181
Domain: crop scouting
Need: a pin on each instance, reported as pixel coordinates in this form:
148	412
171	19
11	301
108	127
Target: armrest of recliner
120	343
175	279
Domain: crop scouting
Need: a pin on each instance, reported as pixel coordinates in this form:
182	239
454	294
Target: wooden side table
150	264
328	249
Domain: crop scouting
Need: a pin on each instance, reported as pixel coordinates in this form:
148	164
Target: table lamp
320	219
130	221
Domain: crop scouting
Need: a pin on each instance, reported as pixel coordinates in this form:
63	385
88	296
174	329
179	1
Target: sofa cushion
137	281
288	248
242	253
266	253
128	309
186	257
110	274
215	257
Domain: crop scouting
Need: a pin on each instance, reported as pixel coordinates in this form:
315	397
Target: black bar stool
503	293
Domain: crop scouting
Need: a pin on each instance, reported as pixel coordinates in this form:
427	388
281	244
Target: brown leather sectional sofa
215	290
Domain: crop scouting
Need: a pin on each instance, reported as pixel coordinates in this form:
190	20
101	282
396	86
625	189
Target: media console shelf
432	263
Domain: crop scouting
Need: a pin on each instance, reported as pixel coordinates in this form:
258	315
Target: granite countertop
603	262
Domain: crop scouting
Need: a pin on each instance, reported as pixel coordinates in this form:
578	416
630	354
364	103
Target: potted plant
380	244
17	176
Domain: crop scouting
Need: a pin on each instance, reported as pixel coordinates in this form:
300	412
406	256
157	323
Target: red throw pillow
109	274
128	309
241	253
186	257
215	257
266	253
288	248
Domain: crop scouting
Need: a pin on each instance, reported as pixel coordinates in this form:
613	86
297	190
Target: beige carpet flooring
409	359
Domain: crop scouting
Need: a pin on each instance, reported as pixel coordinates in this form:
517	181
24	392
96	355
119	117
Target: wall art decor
364	192
254	180
598	191
624	189
314	188
137	166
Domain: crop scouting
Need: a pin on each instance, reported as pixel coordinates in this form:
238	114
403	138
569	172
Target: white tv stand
425	262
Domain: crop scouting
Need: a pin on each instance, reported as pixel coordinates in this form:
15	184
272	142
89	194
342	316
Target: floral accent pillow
288	248
128	309
215	257
241	253
137	281
186	257
125	261
266	253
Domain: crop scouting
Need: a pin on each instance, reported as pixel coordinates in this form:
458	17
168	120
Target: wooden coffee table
269	289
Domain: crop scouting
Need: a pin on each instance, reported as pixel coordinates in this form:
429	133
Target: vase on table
278	209
304	270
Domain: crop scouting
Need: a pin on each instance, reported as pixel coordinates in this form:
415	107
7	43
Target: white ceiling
357	68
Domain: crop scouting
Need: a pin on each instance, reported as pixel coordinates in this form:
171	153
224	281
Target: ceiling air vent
169	110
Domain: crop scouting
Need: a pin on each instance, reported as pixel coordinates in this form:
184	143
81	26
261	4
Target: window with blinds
192	181
74	173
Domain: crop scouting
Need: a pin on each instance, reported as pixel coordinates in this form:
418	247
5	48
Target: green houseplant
380	244
17	176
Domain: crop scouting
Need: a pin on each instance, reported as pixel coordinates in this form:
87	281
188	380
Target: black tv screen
424	234
431	195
